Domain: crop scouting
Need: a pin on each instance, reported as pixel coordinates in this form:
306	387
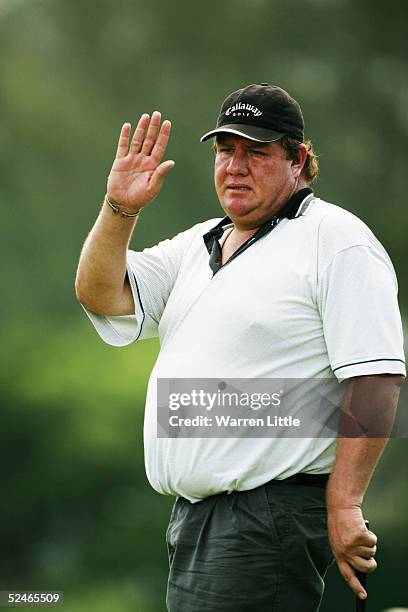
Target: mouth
238	188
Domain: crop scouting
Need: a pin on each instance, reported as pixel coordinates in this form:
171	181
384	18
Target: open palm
137	173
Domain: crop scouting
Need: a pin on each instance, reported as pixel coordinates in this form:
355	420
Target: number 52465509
28	597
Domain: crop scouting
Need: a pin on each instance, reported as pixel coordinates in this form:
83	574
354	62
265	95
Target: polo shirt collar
291	209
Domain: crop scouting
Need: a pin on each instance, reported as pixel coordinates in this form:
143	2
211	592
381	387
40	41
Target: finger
363	565
140	133
161	142
365	551
159	174
371	538
123	143
365	538
152	133
349	576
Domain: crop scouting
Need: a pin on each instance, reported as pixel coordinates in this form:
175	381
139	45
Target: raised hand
137	173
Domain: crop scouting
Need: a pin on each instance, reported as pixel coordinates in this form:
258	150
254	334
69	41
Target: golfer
283	286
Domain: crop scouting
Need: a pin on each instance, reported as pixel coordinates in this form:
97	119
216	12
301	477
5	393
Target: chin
238	207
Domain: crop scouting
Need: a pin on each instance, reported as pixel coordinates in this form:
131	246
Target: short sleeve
152	274
357	298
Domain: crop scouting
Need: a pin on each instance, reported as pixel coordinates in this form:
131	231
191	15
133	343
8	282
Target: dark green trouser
264	550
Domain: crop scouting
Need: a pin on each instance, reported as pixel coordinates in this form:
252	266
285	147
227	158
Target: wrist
119	210
337	502
342	507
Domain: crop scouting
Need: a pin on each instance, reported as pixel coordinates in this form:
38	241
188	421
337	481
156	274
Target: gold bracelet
119	211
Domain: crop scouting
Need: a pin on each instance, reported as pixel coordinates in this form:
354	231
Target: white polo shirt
314	298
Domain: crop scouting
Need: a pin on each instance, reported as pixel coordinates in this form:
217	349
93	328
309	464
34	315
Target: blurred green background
77	513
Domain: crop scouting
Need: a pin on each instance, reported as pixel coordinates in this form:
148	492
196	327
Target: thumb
158	175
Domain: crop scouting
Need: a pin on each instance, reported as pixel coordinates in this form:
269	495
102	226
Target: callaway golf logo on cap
260	112
237	108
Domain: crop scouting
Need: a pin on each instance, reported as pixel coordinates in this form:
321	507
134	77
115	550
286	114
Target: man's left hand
353	545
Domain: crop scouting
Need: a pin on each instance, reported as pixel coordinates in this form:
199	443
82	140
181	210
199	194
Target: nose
237	164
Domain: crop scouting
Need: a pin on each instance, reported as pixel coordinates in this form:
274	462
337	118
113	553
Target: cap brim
252	132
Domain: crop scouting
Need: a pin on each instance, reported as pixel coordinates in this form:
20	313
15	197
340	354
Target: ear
299	161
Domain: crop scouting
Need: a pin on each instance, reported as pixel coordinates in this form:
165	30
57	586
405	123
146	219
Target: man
285	286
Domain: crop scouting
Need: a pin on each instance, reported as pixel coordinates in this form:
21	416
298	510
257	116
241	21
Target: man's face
252	179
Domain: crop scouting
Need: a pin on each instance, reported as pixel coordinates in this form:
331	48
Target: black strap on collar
212	237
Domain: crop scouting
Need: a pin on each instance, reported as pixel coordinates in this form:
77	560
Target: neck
287	207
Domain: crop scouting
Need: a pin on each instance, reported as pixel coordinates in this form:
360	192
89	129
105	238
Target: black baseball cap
260	112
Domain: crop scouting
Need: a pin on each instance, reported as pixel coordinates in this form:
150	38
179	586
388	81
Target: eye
224	152
257	152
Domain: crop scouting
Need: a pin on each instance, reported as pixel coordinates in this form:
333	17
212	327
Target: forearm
355	462
366	421
367	417
100	279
